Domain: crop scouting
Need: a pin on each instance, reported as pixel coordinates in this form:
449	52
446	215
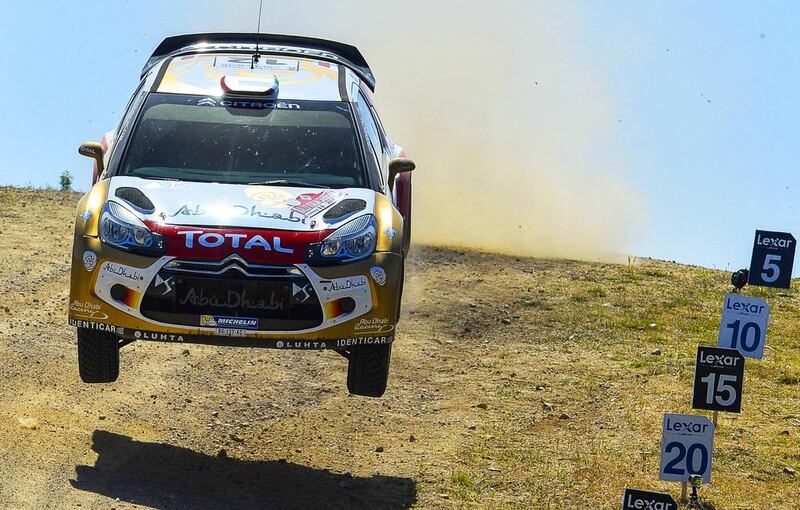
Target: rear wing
322	49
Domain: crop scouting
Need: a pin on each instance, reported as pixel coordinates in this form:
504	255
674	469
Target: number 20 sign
687	445
744	325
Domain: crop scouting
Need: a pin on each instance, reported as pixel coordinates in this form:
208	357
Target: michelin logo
217	321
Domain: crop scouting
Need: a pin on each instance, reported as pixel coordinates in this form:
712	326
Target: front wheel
368	370
98	356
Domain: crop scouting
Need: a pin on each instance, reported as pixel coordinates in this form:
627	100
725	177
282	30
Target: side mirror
399	166
95	151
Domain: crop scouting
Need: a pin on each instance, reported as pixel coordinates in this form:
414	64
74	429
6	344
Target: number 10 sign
744	325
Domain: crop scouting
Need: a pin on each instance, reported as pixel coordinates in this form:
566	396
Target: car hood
245	206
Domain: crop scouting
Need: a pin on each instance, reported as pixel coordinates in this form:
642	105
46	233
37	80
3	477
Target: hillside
515	383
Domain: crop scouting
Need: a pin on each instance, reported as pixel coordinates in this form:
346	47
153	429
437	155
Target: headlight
353	241
121	229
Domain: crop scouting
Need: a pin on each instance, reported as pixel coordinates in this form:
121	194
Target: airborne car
248	197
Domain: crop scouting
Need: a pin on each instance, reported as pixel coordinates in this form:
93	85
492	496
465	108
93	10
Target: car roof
299	78
275	44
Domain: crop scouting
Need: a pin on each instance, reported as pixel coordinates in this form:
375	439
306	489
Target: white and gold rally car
248	197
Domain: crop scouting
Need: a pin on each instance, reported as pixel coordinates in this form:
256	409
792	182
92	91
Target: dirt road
515	383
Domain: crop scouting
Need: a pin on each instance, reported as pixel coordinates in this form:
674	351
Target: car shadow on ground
160	475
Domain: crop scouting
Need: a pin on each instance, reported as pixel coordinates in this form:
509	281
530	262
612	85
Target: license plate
230	332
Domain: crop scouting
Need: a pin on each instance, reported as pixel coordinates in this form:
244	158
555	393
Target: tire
98	356
368	370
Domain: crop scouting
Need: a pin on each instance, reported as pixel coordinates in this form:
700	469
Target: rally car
249	197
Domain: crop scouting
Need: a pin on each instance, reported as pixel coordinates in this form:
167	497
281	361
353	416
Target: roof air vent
249	86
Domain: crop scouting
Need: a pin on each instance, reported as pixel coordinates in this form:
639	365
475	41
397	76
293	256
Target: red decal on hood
310	204
253	245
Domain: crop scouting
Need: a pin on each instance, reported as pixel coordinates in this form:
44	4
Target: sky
680	119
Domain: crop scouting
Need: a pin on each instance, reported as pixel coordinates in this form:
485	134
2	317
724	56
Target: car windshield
244	140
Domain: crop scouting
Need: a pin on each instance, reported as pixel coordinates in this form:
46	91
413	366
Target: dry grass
524	383
580	417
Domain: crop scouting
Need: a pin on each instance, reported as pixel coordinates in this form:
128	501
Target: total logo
245	241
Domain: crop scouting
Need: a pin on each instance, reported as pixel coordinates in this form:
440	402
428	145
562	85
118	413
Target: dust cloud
508	124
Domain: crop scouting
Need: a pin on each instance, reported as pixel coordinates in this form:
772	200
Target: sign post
635	499
773	258
718	380
687	447
744	325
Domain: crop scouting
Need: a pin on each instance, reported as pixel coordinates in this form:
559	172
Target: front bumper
231	302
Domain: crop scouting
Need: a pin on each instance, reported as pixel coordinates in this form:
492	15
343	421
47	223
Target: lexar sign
744	325
773	258
687	446
635	499
719	374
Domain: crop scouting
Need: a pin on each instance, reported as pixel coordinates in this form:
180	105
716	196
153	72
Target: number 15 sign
718	380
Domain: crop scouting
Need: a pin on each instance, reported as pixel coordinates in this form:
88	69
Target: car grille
279	297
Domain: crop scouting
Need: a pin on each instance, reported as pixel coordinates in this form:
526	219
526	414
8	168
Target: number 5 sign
687	444
744	325
773	258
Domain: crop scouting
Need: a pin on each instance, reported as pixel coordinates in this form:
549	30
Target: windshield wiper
287	182
156	178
